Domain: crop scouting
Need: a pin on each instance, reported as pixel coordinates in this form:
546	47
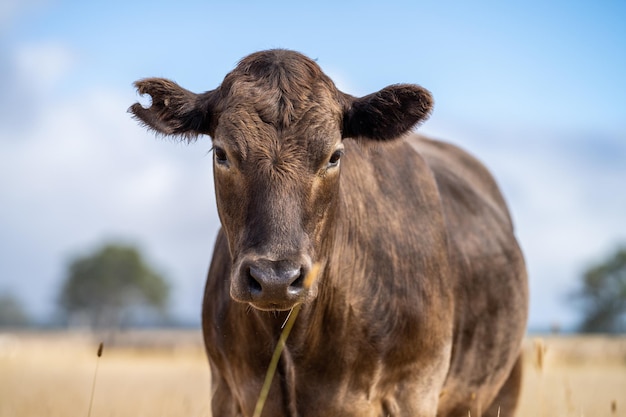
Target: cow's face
278	125
276	186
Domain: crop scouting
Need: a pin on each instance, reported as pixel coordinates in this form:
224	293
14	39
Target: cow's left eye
334	158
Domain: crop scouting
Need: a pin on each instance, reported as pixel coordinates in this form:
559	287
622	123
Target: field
166	374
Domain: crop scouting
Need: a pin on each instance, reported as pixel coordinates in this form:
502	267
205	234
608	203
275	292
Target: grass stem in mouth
287	319
287	326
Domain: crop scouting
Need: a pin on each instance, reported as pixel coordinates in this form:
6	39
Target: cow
420	304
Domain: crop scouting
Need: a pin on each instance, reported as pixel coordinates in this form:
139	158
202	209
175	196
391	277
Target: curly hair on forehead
281	84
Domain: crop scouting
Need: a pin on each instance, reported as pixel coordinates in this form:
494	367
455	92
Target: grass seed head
540	351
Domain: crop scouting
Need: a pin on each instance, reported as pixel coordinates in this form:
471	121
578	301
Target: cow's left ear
388	113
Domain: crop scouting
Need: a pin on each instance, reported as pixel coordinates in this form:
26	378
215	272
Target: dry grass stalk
540	352
291	319
539	362
95	374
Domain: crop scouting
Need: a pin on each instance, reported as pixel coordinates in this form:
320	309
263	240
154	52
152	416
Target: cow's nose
270	280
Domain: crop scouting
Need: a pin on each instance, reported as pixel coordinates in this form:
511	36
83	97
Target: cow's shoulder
464	183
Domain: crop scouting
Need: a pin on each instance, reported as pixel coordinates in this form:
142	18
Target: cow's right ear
174	110
386	114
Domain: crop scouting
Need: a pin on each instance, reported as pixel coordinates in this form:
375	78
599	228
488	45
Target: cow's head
278	125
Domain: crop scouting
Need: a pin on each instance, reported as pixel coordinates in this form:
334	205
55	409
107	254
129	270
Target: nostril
253	283
299	281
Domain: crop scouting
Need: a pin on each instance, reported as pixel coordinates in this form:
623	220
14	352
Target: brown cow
420	306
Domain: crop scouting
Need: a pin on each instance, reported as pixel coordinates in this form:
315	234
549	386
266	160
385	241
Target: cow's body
420	305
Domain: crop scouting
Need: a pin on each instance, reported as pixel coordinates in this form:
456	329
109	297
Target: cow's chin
273	306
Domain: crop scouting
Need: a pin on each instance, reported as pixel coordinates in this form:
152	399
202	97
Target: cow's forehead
279	103
310	135
284	105
254	116
282	88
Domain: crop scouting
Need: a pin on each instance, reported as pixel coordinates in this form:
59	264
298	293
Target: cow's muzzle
271	285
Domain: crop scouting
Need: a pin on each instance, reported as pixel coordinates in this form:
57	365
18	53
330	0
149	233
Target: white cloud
40	66
565	195
82	171
31	74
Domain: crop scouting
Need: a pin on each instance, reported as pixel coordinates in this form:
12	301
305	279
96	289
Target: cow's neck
367	279
373	292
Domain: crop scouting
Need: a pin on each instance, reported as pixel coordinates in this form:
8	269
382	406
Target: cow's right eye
220	155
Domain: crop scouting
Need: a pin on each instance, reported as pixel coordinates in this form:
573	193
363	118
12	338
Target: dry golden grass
574	376
166	374
52	374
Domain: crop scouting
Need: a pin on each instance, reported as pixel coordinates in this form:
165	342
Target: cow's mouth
281	301
273	306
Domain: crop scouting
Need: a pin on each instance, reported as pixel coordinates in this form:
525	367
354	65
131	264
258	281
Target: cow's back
488	275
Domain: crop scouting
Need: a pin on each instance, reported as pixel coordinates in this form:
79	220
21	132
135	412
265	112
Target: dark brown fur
421	304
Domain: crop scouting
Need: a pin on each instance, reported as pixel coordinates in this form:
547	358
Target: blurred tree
603	296
12	314
112	287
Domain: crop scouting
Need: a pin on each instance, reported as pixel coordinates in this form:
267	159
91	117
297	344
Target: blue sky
534	89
